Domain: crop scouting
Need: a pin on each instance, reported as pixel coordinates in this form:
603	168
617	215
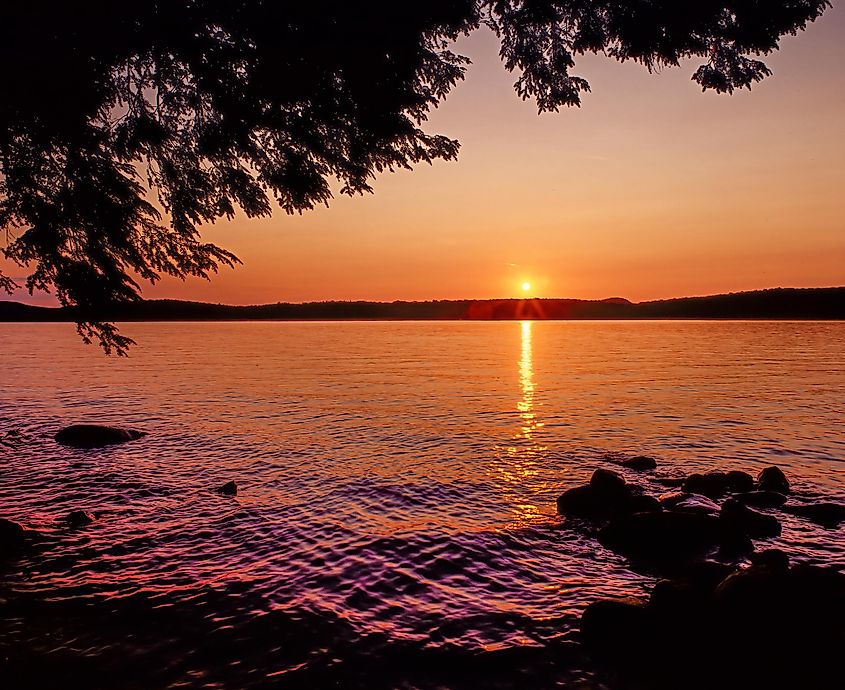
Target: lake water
395	525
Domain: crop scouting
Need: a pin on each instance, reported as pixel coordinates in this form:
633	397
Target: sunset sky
652	189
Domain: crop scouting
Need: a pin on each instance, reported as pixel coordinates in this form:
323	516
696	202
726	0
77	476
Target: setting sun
526	286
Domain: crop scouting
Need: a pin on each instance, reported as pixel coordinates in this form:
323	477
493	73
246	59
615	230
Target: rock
740	518
716	484
671	482
761	499
739	481
615	629
662	536
12	535
607	482
79	518
95	436
640	463
824	514
228	489
607	495
774	559
773	479
640	503
14	538
689	503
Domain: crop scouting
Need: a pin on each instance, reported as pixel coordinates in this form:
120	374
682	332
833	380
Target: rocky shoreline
723	615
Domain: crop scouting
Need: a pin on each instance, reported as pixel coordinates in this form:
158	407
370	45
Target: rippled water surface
395	525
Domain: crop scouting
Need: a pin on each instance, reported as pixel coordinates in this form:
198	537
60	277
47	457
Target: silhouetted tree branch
208	106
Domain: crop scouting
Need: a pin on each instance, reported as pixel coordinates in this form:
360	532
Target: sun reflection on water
520	458
526	383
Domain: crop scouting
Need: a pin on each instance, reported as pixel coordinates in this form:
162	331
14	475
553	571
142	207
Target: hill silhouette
776	303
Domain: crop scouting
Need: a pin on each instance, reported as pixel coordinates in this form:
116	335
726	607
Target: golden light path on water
523	454
526	382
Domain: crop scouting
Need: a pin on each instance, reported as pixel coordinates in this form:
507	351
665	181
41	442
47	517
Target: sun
526	286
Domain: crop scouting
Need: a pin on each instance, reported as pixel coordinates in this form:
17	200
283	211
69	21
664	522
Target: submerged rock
824	514
79	518
95	435
773	479
228	489
640	463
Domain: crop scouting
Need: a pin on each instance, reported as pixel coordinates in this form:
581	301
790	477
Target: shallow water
395	524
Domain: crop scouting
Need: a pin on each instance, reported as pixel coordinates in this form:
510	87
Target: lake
396	522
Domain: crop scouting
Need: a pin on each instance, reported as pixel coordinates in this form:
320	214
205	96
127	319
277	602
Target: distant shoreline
785	304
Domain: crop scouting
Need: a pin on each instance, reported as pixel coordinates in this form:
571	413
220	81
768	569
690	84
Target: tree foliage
112	112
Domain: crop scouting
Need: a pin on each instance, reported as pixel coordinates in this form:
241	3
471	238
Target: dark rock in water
716	484
606	496
662	536
689	503
771	558
614	628
228	489
824	514
739	481
640	463
761	499
773	479
12	535
607	482
79	518
95	435
640	503
741	518
14	538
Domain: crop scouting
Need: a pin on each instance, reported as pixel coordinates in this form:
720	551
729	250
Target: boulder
95	435
824	514
773	479
616	629
761	499
607	495
14	538
607	482
774	559
12	535
662	536
640	463
79	518
740	518
641	503
716	484
228	489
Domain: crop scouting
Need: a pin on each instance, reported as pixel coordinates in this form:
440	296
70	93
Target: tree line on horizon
778	303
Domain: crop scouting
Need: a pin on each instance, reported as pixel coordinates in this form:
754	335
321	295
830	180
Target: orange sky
652	189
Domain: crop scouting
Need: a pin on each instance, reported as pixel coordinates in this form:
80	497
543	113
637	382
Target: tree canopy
115	112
